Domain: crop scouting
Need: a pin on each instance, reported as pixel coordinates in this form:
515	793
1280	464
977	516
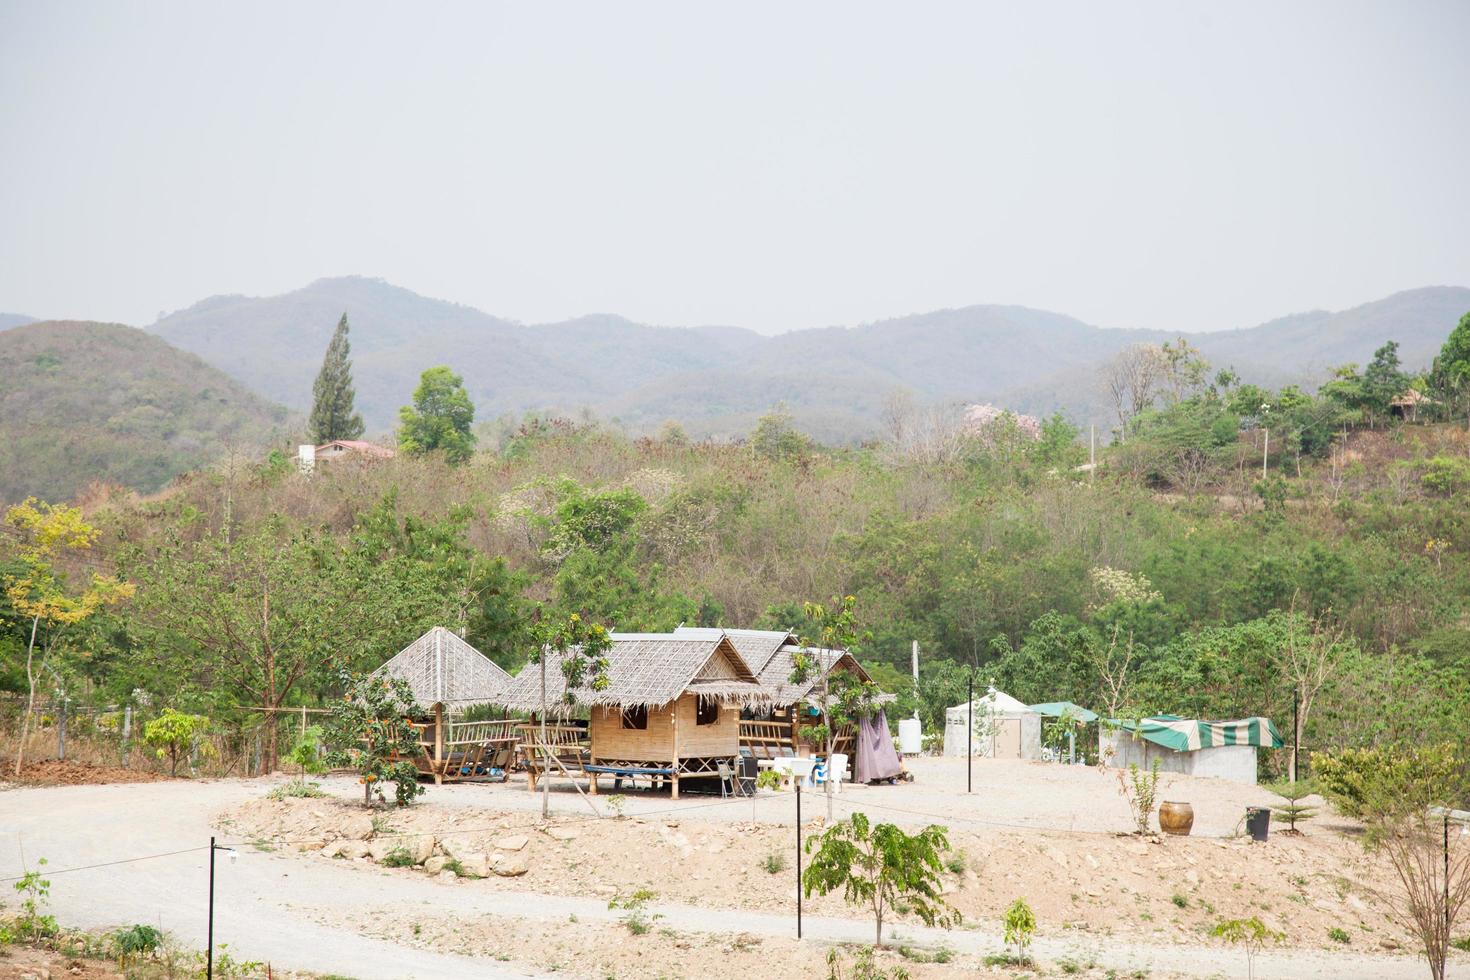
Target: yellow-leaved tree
50	537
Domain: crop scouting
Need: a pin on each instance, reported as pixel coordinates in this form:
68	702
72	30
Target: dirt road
280	906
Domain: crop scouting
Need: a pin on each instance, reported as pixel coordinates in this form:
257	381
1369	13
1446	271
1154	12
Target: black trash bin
1257	822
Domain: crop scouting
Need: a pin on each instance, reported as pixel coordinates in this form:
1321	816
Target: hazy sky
1168	165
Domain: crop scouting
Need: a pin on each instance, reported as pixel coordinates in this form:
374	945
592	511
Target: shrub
617	803
882	867
36	893
136	941
1141	790
296	789
1446	475
1252	933
1339	935
956	862
638	921
399	857
775	863
863	967
172	734
1293	811
370	732
1020	926
1376	782
1179	900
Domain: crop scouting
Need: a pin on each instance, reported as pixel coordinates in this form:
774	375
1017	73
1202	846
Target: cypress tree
332	415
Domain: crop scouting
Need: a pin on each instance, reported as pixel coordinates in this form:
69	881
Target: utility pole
797	781
209	948
1266	443
543	761
1296	730
916	679
1092	454
970	737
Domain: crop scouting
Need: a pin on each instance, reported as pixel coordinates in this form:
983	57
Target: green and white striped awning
1191	735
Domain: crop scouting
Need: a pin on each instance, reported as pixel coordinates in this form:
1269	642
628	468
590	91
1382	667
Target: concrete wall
1017	736
1236	763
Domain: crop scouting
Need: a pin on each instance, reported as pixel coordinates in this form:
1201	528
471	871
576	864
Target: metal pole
1447	876
916	678
798	857
970	735
209	948
1296	732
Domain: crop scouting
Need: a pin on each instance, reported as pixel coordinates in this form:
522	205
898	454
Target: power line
112	864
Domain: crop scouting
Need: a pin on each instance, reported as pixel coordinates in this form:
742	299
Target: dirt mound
65	772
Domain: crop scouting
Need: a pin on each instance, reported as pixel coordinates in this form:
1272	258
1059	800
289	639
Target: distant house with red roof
308	456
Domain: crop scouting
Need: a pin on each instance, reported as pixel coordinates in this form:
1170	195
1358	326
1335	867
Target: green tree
249	618
884	868
173	733
832	630
776	436
1383	379
483	595
1451	373
1020	925
37	589
1252	932
581	651
1293	810
440	418
369	730
332	412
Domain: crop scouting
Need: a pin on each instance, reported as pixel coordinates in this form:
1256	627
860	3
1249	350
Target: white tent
1004	728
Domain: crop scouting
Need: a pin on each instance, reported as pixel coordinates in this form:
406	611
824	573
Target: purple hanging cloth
876	756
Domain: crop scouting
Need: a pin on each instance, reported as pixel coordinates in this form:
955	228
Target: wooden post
127	755
438	743
674	720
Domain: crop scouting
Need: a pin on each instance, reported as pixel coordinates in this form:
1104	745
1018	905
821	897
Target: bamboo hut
774	728
447	676
670	710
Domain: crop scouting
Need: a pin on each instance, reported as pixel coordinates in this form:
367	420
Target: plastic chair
839	770
727	780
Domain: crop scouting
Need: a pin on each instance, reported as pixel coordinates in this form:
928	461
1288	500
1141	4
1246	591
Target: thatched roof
757	647
775	676
441	668
648	670
772	655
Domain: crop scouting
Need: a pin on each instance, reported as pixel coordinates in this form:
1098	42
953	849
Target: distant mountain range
718	380
91	401
84	402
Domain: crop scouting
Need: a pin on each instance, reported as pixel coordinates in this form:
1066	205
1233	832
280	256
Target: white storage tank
910	736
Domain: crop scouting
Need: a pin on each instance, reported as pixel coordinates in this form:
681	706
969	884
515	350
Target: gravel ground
306	912
1006	793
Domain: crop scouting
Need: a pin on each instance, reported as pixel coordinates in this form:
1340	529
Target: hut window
706	712
636	717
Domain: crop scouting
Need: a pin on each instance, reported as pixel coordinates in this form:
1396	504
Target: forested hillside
99	402
1239	544
716	381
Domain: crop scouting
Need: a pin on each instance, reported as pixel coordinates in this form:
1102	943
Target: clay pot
1176	818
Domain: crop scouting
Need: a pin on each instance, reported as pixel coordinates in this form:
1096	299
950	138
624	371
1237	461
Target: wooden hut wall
656	743
695	740
611	741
